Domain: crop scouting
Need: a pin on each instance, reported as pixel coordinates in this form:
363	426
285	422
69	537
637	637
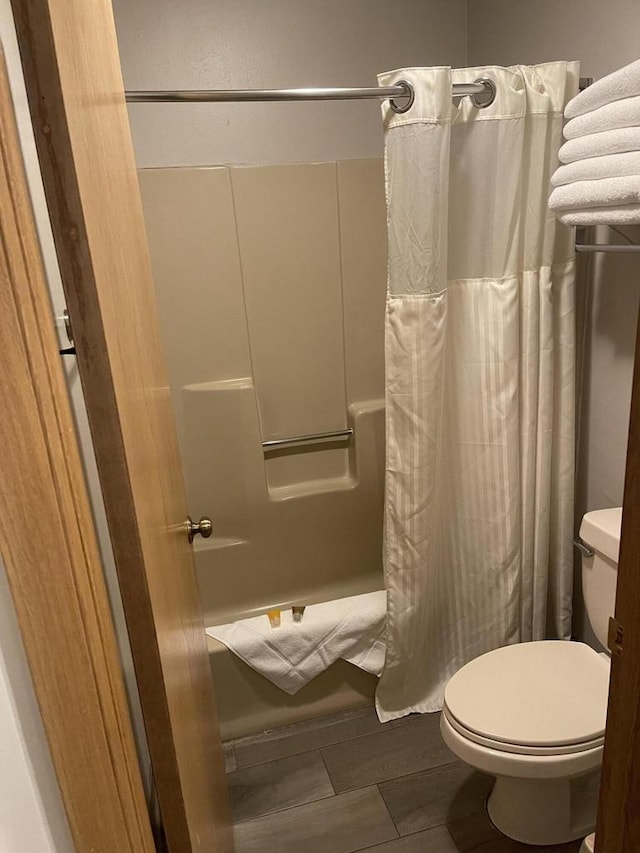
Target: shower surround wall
271	287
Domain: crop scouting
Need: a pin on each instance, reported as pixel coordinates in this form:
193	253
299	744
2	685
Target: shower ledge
312	487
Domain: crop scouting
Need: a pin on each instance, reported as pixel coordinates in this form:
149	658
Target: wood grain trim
618	829
36	39
49	545
34	25
76	96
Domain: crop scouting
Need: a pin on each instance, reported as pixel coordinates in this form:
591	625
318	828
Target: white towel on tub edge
290	656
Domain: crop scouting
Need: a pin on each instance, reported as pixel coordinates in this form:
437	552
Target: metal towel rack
626	248
303	440
608	247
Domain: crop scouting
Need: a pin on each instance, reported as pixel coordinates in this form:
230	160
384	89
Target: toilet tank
600	532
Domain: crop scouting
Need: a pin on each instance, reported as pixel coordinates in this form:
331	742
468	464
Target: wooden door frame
49	546
74	85
618	829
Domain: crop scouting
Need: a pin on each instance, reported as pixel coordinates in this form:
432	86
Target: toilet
533	715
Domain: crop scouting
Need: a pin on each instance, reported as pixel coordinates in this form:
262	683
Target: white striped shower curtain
479	377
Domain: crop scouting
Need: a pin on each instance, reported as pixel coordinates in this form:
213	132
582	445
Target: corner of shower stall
271	286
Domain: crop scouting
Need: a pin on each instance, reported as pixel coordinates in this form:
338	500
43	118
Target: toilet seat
519	748
500	762
541	698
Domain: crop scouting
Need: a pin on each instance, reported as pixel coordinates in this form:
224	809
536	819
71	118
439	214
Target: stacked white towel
290	656
599	179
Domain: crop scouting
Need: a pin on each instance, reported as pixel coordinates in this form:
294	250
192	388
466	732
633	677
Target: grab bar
313	438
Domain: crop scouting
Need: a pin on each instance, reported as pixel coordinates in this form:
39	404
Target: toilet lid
544	694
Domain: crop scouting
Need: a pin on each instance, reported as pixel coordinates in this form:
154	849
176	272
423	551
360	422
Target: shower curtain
479	377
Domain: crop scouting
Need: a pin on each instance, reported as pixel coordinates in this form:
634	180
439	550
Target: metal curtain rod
483	86
482	91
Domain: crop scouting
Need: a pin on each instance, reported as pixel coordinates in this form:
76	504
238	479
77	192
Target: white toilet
533	714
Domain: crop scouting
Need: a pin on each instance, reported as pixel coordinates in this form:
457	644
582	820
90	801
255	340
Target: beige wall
208	44
603	36
609	295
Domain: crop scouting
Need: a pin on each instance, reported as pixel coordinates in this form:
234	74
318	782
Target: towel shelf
302	440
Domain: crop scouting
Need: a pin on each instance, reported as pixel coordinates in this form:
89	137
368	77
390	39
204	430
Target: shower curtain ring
486	98
410	95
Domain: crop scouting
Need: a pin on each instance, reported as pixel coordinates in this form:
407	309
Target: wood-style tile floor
348	783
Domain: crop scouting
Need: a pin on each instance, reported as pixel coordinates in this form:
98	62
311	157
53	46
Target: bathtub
276	543
248	703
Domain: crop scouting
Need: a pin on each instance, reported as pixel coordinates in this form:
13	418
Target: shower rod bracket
410	97
486	98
